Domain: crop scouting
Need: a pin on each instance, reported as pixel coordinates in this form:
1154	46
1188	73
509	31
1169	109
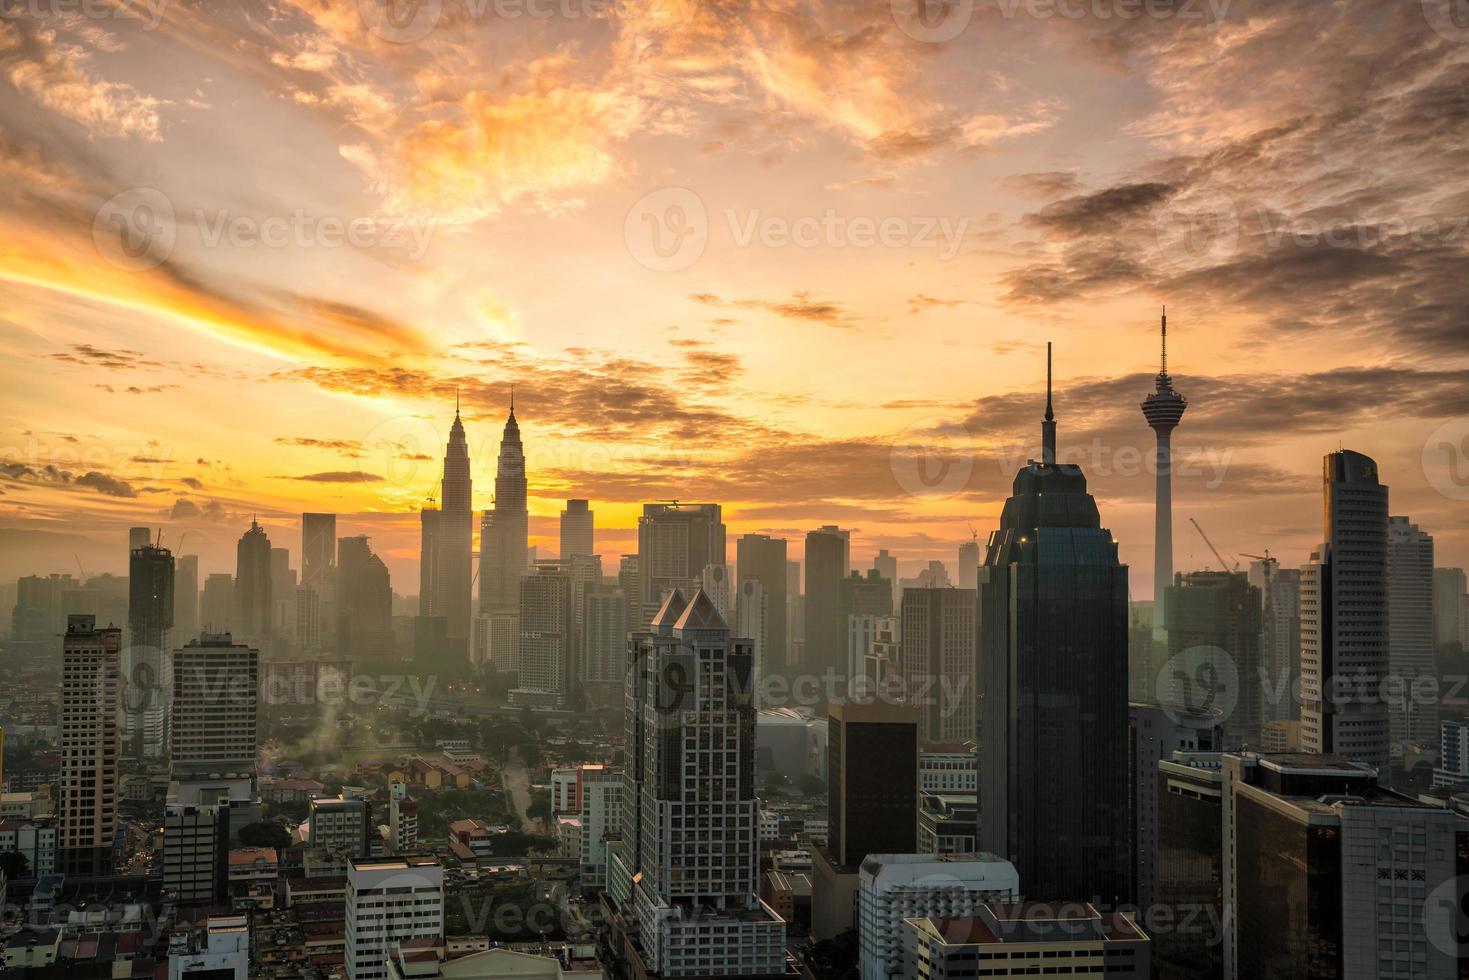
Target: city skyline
1071	167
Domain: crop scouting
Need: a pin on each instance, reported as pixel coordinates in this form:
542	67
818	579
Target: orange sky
768	254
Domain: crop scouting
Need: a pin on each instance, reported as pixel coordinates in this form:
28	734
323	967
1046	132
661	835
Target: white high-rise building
690	812
752	622
1344	618
718	585
868	637
894	887
601	815
604	637
390	900
91	742
220	952
547	629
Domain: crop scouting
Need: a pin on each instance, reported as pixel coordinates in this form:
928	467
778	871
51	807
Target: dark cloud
339	476
107	485
1087	214
1044	185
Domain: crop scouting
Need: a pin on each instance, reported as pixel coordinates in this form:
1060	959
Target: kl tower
1163	409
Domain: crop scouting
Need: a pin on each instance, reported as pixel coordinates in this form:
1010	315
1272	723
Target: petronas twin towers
446	571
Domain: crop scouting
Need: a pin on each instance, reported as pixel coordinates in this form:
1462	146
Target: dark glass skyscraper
252	587
505	527
763	559
1053	688
150	618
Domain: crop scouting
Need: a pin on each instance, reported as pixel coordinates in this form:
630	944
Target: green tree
15	865
265	833
812	785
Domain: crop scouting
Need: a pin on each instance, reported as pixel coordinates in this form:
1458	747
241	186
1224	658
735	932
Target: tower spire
1048	427
1164	369
456	401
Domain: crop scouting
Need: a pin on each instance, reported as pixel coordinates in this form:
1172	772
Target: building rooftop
1037	923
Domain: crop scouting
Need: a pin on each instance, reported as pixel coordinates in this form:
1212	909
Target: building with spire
253	607
1163	409
1052	673
505	527
446	555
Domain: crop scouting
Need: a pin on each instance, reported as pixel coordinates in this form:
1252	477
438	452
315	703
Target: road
517	787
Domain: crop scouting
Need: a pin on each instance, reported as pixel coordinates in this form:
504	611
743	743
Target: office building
1053	679
319	576
1449	588
1157	733
828	559
718	585
752	622
762	559
604	637
895	887
689	852
1453	765
186	597
601	818
390	901
577	532
886	566
213	725
91	742
308	621
219	951
505	528
1214	627
282	600
1412	693
1024	940
364	602
1189	867
1344	626
446	558
145	672
341	825
217	603
868	815
1330	875
936	661
546	664
1163	409
1280	636
969	565
675	542
252	621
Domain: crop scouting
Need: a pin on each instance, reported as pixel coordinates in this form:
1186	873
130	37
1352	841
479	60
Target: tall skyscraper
1210	613
145	670
252	587
828	558
186	597
887	567
91	693
718	585
867	815
675	542
217	603
213	724
1280	635
690	817
1164	410
506	527
577	535
937	661
319	575
446	559
1449	588
760	558
604	636
752	622
547	629
1412	694
364	601
1344	627
969	565
1053	683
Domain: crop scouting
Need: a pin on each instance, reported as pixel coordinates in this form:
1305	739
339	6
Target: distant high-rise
937	661
752	622
213	719
139	537
1280	636
252	587
364	601
969	565
718	585
1449	588
1412	701
675	542
577	534
505	529
282	596
1210	613
867	815
630	581
1344	627
760	558
1052	652
91	700
217	603
186	597
887	567
828	558
547	665
690	852
446	557
604	636
319	574
150	618
1164	410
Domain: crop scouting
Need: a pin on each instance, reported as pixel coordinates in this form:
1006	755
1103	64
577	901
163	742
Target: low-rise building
1001	940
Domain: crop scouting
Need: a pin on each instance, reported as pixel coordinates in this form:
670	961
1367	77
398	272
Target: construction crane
1264	557
1223	565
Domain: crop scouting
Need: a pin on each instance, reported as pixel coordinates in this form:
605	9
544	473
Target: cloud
346	447
339	476
185	509
1043	185
106	485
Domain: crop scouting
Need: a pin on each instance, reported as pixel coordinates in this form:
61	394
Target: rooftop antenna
1163	370
1048	427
